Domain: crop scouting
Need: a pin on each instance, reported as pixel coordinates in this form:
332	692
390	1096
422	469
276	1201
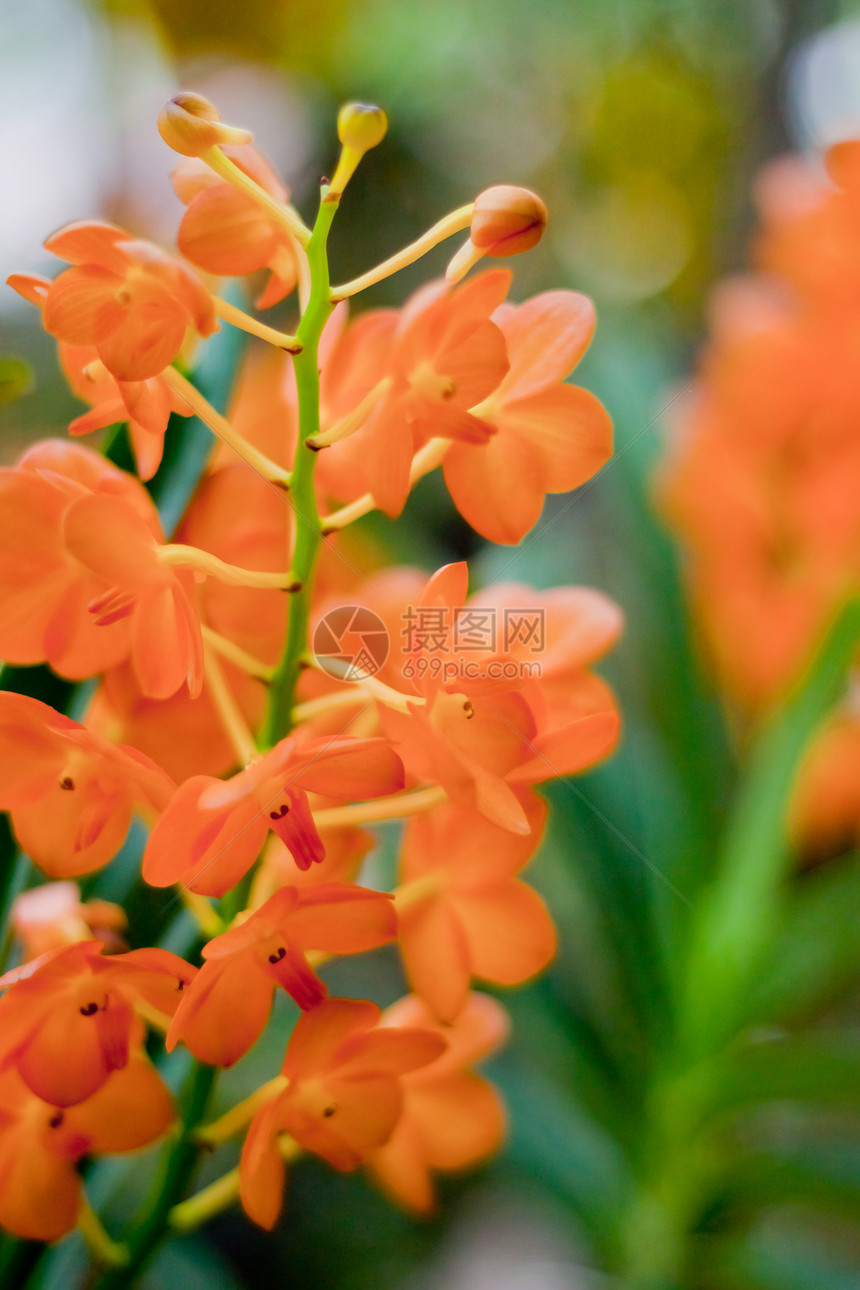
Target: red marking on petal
291	818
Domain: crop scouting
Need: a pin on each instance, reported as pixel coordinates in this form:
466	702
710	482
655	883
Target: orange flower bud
507	220
361	126
191	125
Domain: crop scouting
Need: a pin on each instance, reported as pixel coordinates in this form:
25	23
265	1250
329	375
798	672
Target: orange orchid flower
769	439
70	794
212	831
40	1143
113	541
126	297
227	233
355	361
808	238
549	437
345	848
343	1098
446	357
53	915
238	518
764	475
467	915
67	1020
469	746
145	405
554	637
182	734
452	1118
476	734
45	591
229	1001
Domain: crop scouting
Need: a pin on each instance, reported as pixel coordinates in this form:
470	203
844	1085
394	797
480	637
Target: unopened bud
361	126
507	220
191	125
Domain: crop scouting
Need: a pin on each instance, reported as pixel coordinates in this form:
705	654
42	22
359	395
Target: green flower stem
177	1166
180	1157
282	689
103	1251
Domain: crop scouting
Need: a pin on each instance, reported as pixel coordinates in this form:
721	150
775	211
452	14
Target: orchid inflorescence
763	477
219	718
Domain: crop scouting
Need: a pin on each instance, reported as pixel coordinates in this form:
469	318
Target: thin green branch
177	1166
277	722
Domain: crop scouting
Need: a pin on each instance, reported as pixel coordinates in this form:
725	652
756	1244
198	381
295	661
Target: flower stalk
277	722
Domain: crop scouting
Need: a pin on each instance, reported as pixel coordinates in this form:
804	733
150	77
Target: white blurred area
67	100
501	1242
79	101
824	88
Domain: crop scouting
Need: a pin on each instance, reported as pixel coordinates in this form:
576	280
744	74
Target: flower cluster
765	470
257	754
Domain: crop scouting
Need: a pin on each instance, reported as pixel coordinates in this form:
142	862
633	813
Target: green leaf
555	1141
191	1263
787	1254
821	1070
16	379
609	957
824	1174
736	919
815	951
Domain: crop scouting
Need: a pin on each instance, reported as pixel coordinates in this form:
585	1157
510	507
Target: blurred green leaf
821	1173
737	920
821	1069
16	379
787	1255
556	1141
193	1265
815	952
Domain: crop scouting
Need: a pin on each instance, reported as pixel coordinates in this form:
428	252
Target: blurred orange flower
40	1143
70	793
225	232
129	299
46	591
451	1117
48	917
145	405
67	1019
343	1097
464	913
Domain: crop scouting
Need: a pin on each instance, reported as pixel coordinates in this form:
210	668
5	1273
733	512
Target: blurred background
642	123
